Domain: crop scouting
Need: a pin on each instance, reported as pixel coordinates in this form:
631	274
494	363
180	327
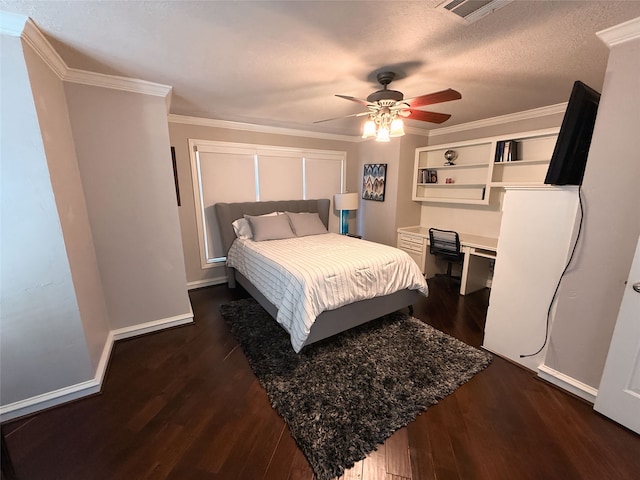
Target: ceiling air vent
472	10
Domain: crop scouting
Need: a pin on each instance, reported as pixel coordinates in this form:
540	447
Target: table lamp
345	202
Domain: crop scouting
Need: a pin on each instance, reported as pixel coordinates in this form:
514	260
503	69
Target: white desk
477	249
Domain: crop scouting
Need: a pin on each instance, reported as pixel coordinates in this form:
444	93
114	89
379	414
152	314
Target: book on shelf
499	151
427	175
513	152
506	151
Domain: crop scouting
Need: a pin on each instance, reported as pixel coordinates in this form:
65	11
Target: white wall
42	343
408	211
379	221
123	151
91	246
376	219
55	130
592	290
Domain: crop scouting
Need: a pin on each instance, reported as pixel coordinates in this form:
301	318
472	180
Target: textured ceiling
280	63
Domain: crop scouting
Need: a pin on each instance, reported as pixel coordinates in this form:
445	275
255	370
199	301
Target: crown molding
618	34
416	131
116	82
251	127
32	35
23	27
12	24
502	119
37	41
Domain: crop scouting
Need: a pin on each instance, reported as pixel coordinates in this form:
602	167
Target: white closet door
619	392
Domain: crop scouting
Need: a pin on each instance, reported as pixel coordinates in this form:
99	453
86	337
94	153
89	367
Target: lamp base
344	222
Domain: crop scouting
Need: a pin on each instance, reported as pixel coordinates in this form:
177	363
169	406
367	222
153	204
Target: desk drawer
420	241
405	245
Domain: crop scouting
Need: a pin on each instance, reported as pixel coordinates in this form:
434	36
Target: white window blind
232	172
280	176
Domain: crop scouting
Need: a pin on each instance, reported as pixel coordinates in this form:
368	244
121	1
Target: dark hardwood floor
183	404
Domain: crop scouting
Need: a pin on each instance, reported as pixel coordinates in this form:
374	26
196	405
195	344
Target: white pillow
270	227
242	228
304	224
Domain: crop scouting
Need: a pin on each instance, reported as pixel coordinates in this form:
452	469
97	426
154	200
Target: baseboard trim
135	330
206	283
54	398
47	400
568	383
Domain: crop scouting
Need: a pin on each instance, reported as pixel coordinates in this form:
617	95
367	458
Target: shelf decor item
450	156
373	181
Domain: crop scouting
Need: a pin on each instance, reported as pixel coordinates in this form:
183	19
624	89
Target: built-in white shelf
475	170
453	185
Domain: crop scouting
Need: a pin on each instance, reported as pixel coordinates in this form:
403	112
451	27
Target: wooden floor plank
300	469
374	467
282	457
354	473
397	454
420	449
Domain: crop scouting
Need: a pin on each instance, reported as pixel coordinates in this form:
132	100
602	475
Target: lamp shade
345	201
397	128
369	129
383	134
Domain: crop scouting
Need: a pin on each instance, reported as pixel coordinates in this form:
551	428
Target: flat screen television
569	157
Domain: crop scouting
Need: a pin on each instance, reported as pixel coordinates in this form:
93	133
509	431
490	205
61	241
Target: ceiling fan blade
431	98
431	117
345	116
354	99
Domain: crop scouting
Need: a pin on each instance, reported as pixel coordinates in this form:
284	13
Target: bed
325	323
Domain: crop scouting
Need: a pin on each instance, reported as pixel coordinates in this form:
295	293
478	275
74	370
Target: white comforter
305	276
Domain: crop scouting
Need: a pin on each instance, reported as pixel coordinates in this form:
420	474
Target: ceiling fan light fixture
387	108
397	128
369	129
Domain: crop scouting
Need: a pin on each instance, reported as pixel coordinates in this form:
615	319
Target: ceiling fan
386	108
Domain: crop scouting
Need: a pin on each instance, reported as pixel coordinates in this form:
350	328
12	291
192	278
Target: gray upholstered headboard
227	213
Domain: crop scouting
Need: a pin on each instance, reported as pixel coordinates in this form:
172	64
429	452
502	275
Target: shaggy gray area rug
345	395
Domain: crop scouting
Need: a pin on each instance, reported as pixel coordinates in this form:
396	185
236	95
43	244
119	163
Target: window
233	172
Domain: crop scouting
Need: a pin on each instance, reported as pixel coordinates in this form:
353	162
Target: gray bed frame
329	322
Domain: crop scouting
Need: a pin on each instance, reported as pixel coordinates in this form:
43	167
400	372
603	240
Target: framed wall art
175	174
373	181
